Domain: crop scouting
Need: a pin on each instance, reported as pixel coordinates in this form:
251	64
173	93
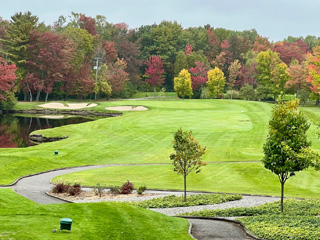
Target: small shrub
235	94
98	189
75	189
114	190
126	188
247	92
205	93
61	187
141	189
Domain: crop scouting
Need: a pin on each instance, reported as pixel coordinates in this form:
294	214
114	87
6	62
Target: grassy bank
23	219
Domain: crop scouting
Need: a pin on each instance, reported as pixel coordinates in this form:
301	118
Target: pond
15	130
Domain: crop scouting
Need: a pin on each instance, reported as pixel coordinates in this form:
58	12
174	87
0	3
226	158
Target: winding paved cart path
35	188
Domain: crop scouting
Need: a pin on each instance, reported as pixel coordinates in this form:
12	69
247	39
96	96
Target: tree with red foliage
111	52
314	74
121	26
290	51
214	46
130	52
298	77
154	72
50	58
80	83
188	49
117	76
247	75
88	24
199	75
7	77
260	44
224	59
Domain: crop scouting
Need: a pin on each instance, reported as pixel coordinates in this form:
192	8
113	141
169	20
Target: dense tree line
85	57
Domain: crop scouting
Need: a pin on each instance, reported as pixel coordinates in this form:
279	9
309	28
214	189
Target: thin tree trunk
155	91
47	95
282	193
38	96
185	187
231	93
30	94
38	123
25	97
30	124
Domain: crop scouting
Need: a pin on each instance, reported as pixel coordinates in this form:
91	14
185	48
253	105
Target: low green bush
141	189
98	189
114	190
276	227
192	200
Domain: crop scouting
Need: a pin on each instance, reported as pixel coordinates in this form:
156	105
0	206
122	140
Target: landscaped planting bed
192	200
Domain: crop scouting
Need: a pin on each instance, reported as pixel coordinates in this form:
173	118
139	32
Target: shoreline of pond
16	131
45	111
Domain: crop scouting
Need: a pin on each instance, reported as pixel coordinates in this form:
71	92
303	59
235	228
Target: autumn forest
88	57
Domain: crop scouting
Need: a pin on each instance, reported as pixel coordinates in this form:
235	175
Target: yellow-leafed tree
216	82
182	84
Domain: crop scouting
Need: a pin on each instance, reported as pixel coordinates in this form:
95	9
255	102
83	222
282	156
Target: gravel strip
133	199
246	201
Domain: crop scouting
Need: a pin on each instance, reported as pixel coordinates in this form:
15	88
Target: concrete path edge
62	199
225	220
189	231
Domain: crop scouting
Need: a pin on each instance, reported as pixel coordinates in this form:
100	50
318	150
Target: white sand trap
128	108
70	105
52	116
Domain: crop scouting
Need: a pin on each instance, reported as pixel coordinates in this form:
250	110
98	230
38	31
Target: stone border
39	138
225	220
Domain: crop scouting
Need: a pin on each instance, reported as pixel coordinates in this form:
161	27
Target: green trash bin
65	224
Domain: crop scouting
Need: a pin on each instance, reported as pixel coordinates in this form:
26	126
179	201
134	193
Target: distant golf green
23	219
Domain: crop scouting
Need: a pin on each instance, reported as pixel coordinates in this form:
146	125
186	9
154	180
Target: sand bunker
52	116
128	108
70	105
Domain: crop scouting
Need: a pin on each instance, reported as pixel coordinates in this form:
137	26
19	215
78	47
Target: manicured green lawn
230	130
250	178
23	219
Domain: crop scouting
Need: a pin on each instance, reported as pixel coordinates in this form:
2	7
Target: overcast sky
275	19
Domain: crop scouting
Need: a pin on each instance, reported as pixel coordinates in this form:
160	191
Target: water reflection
15	130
